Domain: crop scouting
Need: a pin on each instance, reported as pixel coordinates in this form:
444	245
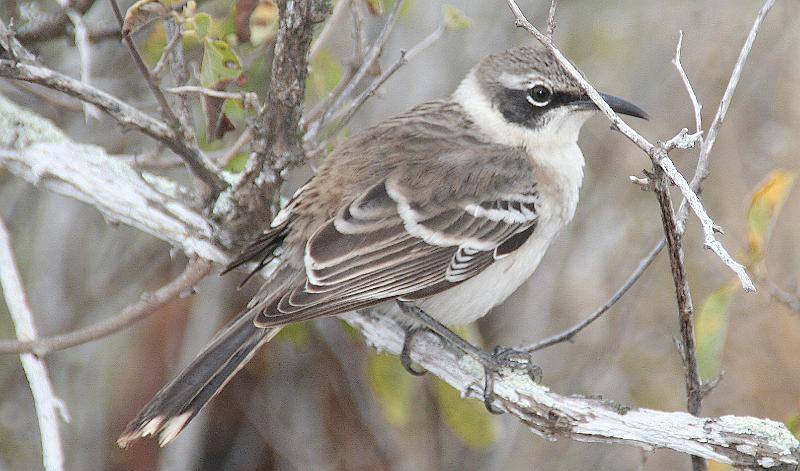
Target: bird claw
506	358
405	355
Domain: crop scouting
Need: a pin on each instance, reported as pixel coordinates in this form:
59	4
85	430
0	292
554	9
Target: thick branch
739	441
35	150
277	137
148	302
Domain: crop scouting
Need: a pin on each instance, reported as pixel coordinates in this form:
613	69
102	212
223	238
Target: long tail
178	402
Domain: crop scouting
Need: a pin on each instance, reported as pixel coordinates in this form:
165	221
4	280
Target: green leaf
793	424
238	163
325	73
154	45
455	19
765	206
467	418
202	24
393	387
234	110
220	63
711	328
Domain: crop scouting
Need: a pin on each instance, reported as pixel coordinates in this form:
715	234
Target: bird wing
413	234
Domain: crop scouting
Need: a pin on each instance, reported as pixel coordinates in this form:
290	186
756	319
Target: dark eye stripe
513	104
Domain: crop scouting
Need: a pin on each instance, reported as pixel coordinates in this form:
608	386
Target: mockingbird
444	209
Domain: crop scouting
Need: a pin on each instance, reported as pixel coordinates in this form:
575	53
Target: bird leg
493	363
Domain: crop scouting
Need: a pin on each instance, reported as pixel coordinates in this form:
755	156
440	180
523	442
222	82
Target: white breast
558	167
474	298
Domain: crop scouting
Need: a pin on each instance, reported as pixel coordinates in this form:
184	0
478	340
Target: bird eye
539	95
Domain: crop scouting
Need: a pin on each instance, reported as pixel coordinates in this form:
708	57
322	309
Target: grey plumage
450	205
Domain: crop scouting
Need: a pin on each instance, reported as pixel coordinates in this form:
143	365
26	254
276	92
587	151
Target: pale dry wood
49	408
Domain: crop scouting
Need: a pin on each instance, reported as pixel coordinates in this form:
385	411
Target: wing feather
385	245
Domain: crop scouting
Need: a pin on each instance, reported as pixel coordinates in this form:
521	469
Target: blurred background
317	397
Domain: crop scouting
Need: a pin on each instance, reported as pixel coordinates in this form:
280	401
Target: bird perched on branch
442	211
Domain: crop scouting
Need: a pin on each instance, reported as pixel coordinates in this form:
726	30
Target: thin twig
166	110
709	228
374	53
724	104
249	99
9	42
85	55
632	279
344	115
158	69
180	75
48	406
786	298
696	106
329	27
551	19
212	184
126	115
359	33
195	271
656	153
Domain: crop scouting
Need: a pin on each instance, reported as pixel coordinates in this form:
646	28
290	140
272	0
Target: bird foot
505	358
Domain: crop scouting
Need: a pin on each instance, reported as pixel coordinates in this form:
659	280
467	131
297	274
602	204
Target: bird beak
617	104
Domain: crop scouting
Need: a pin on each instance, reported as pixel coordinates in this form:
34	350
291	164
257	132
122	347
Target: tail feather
168	413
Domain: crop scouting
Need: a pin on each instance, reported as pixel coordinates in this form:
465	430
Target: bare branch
166	54
568	334
35	150
551	19
48	406
739	441
249	99
166	110
85	54
9	42
344	115
676	61
277	136
657	153
694	390
125	114
710	242
195	271
719	117
369	62
210	184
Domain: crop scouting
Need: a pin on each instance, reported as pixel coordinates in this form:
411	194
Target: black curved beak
617	104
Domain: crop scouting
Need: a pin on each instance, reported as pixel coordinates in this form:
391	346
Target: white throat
552	149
